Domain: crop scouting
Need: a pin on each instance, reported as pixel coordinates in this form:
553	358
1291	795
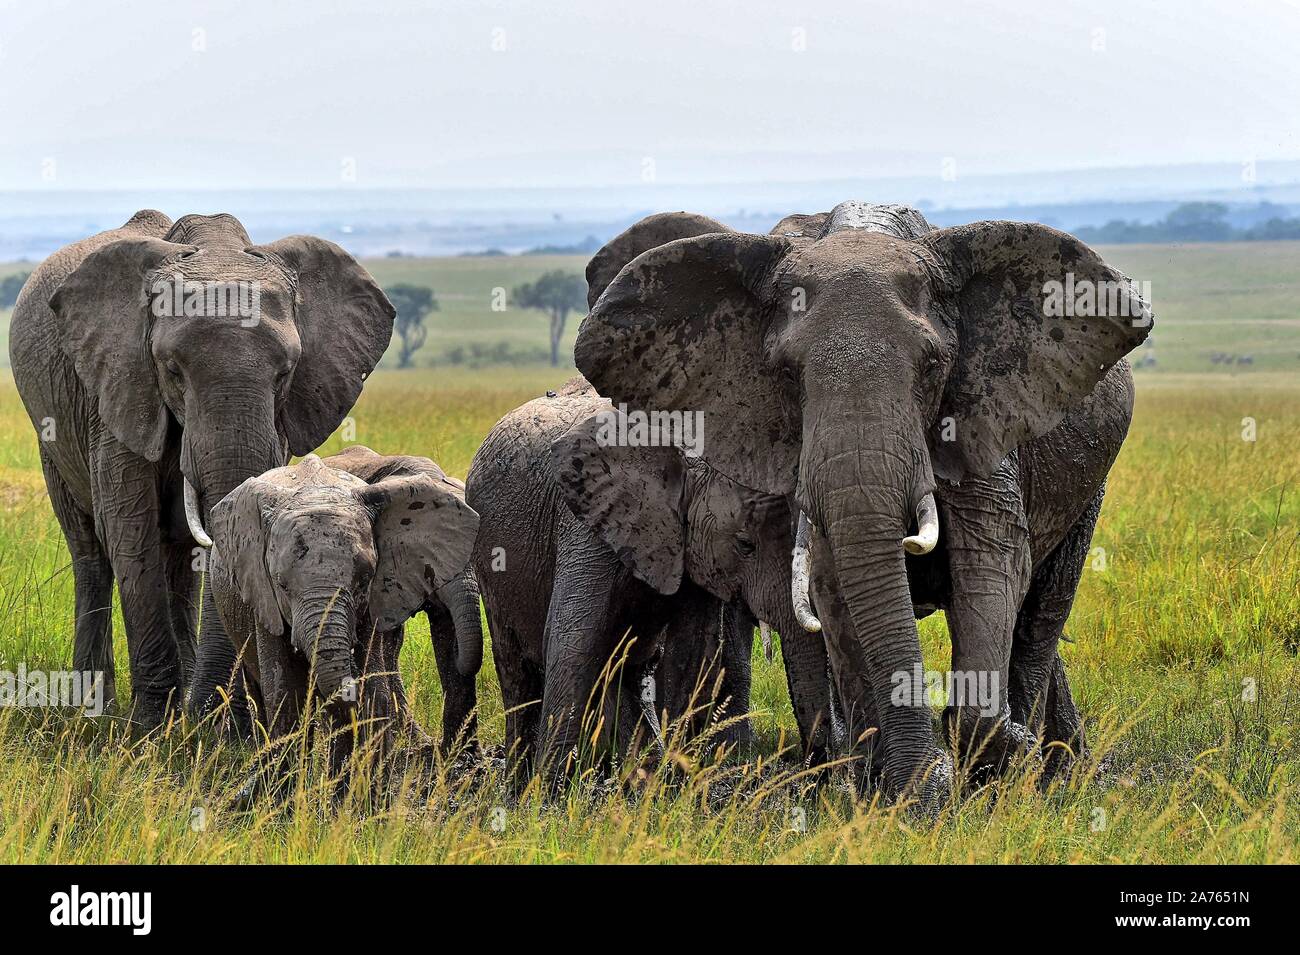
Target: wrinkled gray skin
580	543
858	360
136	401
315	571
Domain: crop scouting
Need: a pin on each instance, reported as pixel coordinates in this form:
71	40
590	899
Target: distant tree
1198	222
557	293
10	286
412	302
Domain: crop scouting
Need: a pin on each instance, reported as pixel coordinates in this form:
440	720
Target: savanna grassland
1183	652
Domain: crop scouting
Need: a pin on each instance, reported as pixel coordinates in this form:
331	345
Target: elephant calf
316	567
583	541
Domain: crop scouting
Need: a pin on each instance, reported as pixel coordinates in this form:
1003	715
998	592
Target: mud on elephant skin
315	572
914	392
151	410
582	542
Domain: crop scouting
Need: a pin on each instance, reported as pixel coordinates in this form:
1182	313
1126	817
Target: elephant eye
174	369
745	546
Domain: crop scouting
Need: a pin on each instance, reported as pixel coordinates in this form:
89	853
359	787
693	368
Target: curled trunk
460	596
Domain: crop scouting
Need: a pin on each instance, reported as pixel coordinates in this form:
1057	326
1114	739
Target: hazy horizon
398	95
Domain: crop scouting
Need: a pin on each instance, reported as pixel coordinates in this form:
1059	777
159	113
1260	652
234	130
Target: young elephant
315	570
583	542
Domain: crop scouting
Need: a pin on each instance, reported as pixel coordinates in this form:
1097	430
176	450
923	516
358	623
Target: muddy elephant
585	539
162	364
943	419
315	571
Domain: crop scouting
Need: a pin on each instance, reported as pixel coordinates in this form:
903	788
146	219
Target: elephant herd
881	419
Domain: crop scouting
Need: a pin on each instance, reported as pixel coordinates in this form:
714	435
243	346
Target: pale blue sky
177	94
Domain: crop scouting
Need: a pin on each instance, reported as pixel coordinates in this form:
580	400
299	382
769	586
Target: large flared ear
650	232
632	497
345	322
1040	320
682	328
239	525
424	535
102	313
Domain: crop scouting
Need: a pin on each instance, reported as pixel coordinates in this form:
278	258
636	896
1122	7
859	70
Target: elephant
315	569
156	390
944	426
583	540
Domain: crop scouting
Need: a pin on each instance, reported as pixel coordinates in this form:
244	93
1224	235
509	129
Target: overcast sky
387	93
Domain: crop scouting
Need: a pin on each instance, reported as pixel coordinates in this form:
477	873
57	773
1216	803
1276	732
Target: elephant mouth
923	541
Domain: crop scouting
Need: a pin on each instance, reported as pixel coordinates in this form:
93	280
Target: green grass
1183	660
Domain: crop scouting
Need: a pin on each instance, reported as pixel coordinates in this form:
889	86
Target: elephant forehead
859	254
225	265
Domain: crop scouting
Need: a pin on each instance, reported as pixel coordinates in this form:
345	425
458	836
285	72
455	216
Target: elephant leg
92	646
282	681
987	539
687	672
807	675
581	637
638	734
183	601
459	693
521	693
127	495
736	654
1039	690
218	675
704	675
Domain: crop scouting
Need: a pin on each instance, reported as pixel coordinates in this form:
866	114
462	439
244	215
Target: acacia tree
557	293
412	302
10	286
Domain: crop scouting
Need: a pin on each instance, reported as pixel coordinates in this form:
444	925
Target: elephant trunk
460	596
863	492
324	631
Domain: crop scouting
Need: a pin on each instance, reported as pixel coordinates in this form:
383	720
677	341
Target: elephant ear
650	232
345	323
632	497
239	524
102	314
424	535
1022	364
682	328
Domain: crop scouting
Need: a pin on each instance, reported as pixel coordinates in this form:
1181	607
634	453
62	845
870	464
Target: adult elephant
162	364
865	363
584	538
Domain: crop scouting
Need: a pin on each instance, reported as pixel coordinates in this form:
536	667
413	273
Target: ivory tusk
193	518
927	528
800	569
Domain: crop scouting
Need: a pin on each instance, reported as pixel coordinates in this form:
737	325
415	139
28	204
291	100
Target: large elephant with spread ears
944	425
162	364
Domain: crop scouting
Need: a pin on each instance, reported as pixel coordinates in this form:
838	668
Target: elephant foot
151	710
986	745
928	789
